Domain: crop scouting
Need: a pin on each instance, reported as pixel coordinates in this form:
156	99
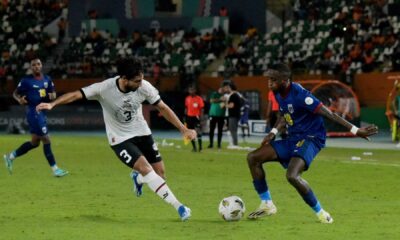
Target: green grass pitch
96	200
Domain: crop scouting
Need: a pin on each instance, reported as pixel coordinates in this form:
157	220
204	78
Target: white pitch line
373	163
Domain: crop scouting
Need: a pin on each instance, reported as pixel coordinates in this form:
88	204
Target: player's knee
142	166
252	158
292	178
35	144
161	173
46	140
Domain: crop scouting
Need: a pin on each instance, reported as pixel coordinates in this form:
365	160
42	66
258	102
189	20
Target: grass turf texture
96	201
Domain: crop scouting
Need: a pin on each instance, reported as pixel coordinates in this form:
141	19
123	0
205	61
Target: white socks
12	156
267	202
54	167
160	187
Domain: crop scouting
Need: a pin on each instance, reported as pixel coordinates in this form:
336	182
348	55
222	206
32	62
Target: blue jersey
299	110
244	112
36	90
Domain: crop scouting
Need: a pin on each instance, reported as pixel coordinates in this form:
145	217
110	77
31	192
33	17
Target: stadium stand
335	37
332	37
22	36
95	53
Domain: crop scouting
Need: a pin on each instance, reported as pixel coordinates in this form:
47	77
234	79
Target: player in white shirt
130	137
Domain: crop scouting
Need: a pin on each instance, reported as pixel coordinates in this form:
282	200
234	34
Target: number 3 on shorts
125	155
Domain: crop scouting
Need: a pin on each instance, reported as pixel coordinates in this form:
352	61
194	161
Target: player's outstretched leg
158	185
295	168
21	150
267	207
311	200
255	160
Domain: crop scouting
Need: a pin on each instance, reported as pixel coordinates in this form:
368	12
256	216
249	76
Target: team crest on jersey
309	100
290	108
46	84
300	143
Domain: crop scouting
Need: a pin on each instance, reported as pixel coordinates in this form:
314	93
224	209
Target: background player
303	114
217	117
244	117
31	91
233	104
194	105
128	134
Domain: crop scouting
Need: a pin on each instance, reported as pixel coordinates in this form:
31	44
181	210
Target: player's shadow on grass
100	218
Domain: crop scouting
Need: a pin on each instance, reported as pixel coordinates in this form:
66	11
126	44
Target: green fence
375	115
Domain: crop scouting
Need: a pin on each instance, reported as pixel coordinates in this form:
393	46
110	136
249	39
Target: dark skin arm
280	125
20	99
363	132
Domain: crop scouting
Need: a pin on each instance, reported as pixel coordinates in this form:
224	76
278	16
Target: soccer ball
232	208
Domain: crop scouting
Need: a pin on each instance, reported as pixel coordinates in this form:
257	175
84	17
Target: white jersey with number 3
122	111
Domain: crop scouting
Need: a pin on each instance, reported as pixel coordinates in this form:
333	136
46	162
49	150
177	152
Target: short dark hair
279	71
35	58
230	83
129	67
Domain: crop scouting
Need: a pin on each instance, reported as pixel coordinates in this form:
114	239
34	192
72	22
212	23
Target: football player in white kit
121	98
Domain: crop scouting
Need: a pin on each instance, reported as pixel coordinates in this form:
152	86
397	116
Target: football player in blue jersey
302	113
31	91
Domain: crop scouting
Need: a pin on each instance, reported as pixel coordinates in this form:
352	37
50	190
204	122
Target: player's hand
365	132
44	106
267	139
189	134
22	100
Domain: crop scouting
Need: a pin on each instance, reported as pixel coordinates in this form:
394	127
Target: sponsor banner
55	121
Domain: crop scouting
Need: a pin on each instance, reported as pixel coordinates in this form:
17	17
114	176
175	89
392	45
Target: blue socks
266	196
49	154
27	146
262	189
24	148
312	201
317	207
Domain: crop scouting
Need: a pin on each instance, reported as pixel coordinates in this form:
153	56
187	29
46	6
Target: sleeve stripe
318	107
83	94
